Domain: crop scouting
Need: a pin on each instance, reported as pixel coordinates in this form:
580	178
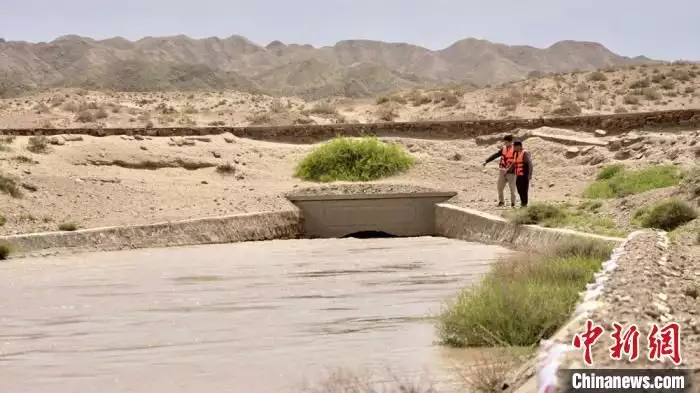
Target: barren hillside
356	68
610	90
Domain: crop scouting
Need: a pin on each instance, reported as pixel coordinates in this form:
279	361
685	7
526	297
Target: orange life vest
507	155
519	160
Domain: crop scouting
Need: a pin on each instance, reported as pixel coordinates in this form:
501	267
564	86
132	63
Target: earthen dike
613	124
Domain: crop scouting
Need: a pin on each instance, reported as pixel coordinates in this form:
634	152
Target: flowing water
257	317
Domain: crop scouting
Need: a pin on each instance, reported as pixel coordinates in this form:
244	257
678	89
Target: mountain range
351	68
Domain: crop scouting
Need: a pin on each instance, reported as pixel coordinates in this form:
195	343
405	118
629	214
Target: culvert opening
369	235
350	210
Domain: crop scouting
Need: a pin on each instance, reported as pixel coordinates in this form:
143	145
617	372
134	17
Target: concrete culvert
369	235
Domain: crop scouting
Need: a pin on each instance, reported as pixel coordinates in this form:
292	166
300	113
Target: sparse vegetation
348	159
583	218
523	299
38	144
667	215
9	186
623	182
5	250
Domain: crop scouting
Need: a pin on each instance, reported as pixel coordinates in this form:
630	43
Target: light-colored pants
503	179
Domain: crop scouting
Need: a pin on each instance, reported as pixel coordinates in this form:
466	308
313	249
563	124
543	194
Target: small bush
610	171
631	99
386	113
597	76
38	144
651	94
668	215
9	186
5	250
353	160
391	98
624	183
540	213
323	108
85	116
2	220
523	299
226	169
68	226
640	84
567	108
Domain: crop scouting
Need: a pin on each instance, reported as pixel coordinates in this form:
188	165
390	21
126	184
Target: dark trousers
522	184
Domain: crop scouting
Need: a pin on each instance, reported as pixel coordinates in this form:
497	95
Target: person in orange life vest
506	174
522	163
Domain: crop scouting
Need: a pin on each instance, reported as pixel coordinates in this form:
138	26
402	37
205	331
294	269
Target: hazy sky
668	29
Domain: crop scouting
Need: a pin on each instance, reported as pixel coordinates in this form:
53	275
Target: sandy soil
96	182
636	89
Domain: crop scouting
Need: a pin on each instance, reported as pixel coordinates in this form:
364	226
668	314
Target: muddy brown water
251	317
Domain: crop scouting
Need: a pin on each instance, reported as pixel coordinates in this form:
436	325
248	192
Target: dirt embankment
611	124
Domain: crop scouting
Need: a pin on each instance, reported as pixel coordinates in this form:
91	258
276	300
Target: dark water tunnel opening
369	235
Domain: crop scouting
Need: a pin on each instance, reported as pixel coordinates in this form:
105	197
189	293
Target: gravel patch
359	188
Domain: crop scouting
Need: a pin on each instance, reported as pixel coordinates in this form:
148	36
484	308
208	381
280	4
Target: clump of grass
9	186
323	108
348	159
523	299
610	171
68	226
540	213
622	183
2	221
226	169
490	371
5	250
666	215
38	144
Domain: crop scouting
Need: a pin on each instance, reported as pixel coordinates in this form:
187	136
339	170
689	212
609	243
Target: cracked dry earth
648	289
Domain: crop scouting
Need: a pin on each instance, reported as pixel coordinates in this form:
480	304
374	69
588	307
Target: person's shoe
512	205
523	206
501	204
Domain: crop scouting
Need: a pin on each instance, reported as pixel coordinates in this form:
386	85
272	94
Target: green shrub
523	299
348	159
5	250
667	215
609	171
540	213
623	183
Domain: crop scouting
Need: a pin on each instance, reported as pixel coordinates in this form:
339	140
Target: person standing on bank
506	173
522	163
